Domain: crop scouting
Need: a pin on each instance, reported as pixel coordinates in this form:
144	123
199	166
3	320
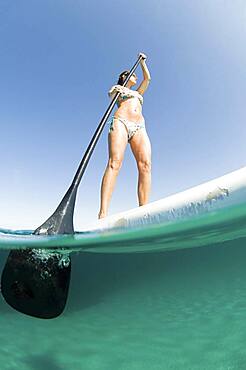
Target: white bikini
125	93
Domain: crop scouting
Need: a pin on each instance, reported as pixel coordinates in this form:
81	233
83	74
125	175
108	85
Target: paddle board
206	214
222	192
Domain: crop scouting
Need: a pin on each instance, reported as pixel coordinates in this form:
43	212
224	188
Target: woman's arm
145	83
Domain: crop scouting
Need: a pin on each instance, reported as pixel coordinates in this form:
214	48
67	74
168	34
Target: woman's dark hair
122	77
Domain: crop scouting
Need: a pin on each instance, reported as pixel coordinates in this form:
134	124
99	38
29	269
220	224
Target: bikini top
125	93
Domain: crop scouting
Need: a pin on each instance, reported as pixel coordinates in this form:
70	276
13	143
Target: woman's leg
141	148
117	142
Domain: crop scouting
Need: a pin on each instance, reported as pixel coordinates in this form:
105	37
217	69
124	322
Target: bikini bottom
131	127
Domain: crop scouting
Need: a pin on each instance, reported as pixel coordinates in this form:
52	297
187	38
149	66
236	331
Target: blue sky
59	58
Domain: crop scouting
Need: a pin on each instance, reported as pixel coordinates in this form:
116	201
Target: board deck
224	191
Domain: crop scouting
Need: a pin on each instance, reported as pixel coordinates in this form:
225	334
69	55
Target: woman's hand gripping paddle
35	281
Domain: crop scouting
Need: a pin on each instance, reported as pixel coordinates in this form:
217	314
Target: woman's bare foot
101	215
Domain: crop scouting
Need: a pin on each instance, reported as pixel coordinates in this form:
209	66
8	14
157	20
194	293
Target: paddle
35	281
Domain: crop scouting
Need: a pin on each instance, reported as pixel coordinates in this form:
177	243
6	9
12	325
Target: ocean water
181	304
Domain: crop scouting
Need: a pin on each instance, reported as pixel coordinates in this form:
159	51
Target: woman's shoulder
116	87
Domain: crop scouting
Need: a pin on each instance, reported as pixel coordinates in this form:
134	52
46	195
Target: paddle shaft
37	284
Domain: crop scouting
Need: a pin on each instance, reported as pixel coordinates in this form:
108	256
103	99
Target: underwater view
180	304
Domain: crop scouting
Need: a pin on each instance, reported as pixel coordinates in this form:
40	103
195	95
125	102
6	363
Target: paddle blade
36	282
61	221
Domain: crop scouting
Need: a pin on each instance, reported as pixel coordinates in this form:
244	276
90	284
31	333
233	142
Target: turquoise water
179	308
197	230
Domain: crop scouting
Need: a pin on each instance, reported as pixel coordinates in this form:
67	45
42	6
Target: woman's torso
129	107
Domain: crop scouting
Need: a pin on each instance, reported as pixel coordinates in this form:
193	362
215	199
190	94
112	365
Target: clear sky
58	59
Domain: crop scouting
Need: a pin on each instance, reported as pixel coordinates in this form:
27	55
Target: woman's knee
144	165
115	164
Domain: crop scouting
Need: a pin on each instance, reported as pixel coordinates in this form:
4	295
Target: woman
128	125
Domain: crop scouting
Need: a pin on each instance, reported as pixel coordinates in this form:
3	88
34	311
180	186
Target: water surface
179	308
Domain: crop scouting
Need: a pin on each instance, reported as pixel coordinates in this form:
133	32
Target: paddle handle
93	142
